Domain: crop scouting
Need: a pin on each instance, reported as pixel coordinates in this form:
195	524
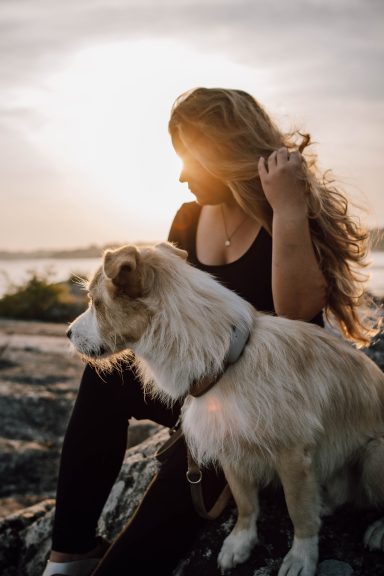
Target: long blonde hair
227	131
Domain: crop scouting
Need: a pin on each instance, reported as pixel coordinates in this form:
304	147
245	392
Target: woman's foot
83	567
97	552
61	563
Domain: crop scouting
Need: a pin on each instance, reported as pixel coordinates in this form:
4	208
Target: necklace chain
228	237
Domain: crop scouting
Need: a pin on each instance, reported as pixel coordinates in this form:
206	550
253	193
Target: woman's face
204	186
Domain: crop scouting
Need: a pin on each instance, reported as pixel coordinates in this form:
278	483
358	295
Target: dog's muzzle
96	352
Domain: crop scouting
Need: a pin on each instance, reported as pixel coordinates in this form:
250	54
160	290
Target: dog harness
239	339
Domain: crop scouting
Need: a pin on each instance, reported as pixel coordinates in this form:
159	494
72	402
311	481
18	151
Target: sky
86	88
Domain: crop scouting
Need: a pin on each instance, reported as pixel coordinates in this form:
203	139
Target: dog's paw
374	535
236	549
301	559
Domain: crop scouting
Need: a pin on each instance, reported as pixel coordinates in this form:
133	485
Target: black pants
164	525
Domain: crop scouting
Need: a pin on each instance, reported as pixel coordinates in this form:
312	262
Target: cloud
323	60
340	40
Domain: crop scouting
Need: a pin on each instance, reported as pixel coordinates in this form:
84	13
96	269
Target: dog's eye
95	302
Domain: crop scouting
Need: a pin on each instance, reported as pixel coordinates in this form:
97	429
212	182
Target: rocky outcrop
39	378
36	394
25	536
38	382
376	351
341	544
25	541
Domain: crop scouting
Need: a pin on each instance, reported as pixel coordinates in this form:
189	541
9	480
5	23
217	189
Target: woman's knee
104	392
120	391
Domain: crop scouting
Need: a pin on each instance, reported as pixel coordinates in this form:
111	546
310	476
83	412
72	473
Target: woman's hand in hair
298	285
283	181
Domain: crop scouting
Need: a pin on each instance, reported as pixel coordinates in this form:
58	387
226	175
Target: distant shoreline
92	251
95	251
72	255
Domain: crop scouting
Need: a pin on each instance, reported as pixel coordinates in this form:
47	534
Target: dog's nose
69	333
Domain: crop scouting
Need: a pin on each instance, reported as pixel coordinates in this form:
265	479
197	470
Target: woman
267	226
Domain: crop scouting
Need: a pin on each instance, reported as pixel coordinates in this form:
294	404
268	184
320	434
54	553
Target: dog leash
239	339
194	477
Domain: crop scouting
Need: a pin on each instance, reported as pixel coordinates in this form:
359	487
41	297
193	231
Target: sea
16	272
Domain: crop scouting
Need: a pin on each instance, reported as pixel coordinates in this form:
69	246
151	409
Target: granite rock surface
38	383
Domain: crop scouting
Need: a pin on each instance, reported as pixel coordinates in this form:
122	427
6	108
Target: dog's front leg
238	545
295	469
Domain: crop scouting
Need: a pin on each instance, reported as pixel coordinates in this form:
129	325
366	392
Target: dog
300	404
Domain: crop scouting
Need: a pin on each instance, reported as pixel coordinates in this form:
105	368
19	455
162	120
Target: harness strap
169	445
194	477
239	339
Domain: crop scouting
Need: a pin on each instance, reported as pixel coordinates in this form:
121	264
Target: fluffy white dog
299	403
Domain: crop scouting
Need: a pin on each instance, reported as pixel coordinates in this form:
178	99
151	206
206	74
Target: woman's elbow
304	306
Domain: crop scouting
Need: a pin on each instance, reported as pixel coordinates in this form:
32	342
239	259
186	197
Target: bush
39	299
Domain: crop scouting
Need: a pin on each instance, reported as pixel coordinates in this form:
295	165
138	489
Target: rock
140	430
38	385
334	568
376	351
140	466
27	466
341	544
37	391
25	540
25	535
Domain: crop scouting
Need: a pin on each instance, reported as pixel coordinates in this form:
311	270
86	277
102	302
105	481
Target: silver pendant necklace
228	237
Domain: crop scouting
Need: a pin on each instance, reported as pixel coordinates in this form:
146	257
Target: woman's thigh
165	523
119	393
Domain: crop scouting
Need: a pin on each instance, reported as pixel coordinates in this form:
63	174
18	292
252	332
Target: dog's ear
122	267
172	248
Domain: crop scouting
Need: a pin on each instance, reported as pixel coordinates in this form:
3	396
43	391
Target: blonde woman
268	227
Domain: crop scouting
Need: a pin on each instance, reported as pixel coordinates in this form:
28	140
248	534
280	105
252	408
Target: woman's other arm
298	285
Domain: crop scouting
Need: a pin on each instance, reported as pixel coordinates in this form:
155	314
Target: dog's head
120	300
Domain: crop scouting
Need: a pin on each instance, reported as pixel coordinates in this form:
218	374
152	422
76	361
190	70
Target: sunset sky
86	87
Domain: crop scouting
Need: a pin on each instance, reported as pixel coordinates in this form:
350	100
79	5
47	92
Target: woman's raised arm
298	285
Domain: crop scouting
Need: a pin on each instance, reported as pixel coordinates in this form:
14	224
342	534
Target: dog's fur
299	404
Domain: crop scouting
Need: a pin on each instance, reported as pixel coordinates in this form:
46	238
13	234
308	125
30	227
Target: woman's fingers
282	155
263	172
278	159
272	160
296	157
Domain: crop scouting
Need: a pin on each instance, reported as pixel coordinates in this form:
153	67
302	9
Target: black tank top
250	276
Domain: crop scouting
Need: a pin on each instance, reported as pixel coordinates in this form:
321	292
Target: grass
40	299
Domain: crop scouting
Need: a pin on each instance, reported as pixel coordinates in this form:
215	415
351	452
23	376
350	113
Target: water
16	271
58	269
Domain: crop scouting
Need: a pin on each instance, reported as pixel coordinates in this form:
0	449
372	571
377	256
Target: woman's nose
183	175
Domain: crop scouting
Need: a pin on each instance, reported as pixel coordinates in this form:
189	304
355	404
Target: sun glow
214	405
104	123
